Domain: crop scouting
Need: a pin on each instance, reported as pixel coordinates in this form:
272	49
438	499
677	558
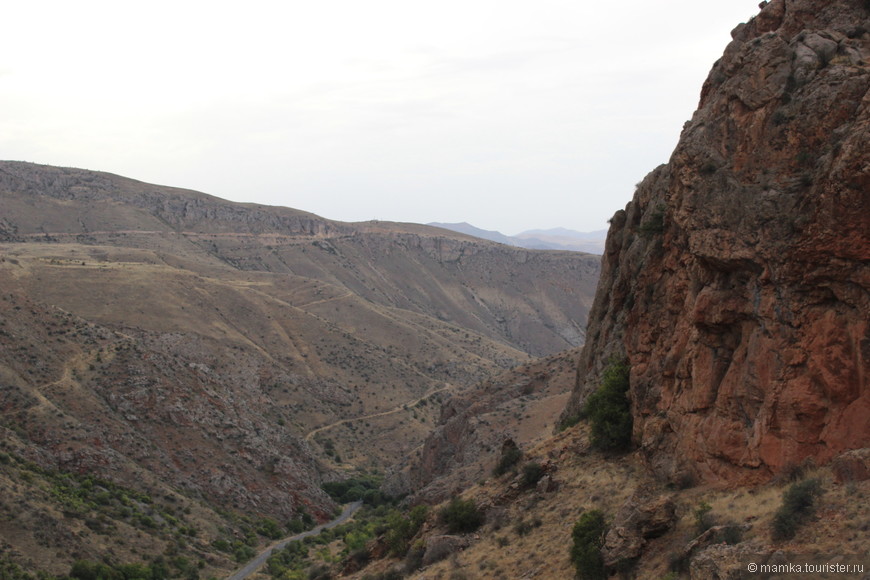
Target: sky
508	115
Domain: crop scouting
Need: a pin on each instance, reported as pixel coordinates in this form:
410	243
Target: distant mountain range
553	239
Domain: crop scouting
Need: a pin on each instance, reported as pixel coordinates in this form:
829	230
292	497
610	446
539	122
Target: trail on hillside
396	409
258	561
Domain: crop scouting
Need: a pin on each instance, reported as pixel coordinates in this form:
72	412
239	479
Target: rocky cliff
737	280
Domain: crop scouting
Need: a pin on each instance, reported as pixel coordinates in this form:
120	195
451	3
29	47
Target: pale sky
508	115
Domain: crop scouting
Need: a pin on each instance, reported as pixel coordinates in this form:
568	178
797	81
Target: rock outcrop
642	517
737	281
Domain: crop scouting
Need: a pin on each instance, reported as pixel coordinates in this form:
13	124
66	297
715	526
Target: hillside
241	354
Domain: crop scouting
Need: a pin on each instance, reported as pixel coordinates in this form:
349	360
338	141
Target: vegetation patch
510	456
798	505
461	516
365	488
588	538
609	410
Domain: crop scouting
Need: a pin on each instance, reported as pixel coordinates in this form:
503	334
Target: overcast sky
508	115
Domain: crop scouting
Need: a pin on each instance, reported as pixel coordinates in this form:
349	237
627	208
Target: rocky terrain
736	282
519	407
240	355
736	286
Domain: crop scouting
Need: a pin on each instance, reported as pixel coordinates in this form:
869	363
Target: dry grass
590	481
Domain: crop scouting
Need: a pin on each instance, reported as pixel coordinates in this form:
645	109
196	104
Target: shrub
510	456
703	519
401	529
352	489
588	536
798	504
609	410
568	422
655	223
532	473
461	516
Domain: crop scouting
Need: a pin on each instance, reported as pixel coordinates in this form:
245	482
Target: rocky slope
518	407
534	301
238	355
737	281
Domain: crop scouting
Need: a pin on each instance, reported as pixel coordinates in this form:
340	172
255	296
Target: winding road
255	564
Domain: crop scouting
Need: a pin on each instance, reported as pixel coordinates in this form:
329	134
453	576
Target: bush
510	456
461	516
655	223
609	410
588	536
798	504
532	474
703	519
352	489
398	535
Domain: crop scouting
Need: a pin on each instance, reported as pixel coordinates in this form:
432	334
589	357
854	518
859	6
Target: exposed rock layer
736	281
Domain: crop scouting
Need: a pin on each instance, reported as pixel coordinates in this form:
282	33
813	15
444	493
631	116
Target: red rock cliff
736	281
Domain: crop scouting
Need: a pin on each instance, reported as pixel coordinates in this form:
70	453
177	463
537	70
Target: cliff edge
737	281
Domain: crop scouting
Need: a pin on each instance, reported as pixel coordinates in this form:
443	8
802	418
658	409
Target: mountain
736	282
226	359
470	230
561	238
554	239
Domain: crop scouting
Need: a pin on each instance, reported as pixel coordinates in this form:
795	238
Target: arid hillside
239	354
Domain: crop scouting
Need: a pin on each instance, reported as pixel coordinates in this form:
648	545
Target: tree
609	410
588	536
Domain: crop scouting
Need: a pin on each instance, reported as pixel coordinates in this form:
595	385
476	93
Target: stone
852	466
547	484
643	516
440	547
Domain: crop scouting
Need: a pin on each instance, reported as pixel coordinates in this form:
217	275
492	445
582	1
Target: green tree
609	410
588	536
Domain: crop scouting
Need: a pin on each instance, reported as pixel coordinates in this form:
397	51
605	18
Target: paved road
255	564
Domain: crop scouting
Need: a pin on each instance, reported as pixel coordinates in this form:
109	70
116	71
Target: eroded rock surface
736	282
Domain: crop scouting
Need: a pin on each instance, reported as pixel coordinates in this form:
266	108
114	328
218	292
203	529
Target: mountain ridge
552	239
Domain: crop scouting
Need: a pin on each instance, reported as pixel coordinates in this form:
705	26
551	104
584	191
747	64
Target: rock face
736	282
643	516
476	425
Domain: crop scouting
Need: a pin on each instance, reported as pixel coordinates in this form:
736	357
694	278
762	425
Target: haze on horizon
489	112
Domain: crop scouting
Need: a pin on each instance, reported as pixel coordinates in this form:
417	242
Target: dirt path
255	564
396	409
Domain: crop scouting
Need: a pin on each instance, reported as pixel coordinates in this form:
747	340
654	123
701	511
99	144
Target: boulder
440	547
642	517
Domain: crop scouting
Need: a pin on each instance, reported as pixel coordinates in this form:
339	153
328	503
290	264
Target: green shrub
588	536
510	456
703	519
352	489
461	516
568	422
655	222
269	528
609	410
798	504
532	474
